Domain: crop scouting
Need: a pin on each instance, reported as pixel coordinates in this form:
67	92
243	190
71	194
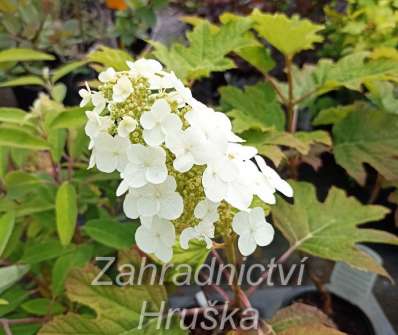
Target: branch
276	88
291	108
305	96
221	262
217	288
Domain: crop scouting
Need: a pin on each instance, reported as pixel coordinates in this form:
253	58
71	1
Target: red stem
221	262
265	275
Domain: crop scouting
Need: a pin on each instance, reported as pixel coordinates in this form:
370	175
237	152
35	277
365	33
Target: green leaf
25	329
111	233
66	212
43	251
15	296
382	93
19	183
151	328
110	57
367	137
57	140
207	49
7	222
16	138
58	92
354	70
257	56
288	35
80	325
66	69
311	330
251	51
309	138
334	114
23	81
119	304
4	156
32	206
329	229
22	54
9	275
118	309
194	257
7	6
64	264
14	115
77	142
42	307
268	143
350	72
74	117
296	315
256	107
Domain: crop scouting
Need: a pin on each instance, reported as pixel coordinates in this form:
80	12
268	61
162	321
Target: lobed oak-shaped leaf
367	136
256	107
206	51
253	52
269	143
300	315
288	35
79	325
354	70
350	72
311	330
330	229
119	304
334	114
118	309
110	57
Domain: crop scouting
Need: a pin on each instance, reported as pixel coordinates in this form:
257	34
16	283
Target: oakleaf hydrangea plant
184	173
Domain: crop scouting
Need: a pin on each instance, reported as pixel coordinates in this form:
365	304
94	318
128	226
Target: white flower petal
106	162
126	126
148	120
160	109
154	136
147	206
187	235
239	196
156	174
107	75
171	206
240	223
264	234
165	230
171	124
130	206
146	221
122	188
246	244
144	239
215	189
163	252
183	163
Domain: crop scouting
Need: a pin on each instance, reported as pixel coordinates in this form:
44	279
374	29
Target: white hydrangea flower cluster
182	167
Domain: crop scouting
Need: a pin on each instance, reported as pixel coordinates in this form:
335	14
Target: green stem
230	251
291	107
